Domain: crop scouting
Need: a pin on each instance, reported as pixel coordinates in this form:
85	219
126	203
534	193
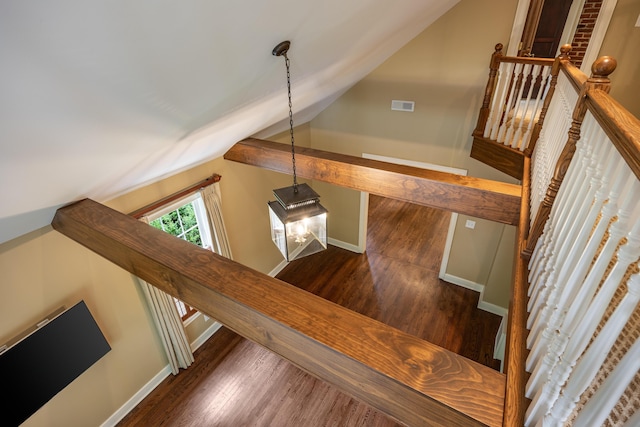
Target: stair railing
514	98
577	287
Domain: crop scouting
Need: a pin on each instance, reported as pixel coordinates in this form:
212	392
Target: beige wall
44	270
622	41
444	70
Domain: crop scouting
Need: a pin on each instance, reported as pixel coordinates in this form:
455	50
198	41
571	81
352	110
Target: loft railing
414	381
575	301
514	106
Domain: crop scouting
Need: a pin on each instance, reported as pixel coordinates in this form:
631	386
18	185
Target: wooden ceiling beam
411	380
481	198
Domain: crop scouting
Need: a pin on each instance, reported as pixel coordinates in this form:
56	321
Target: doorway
550	27
364	203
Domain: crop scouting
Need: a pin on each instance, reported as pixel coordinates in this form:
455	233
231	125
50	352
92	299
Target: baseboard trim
462	282
482	304
205	336
278	268
338	243
492	308
117	416
345	245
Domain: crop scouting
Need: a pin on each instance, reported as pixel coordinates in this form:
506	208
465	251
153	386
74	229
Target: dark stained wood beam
498	156
411	380
492	200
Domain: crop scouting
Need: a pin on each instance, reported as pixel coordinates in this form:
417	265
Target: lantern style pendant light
298	220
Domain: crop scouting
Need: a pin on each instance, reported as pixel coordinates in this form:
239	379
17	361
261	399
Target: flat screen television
35	368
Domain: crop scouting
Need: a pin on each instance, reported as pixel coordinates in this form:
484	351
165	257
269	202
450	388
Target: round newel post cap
603	66
499	47
564	51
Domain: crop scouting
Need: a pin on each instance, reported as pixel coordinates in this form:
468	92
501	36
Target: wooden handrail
623	131
575	76
481	198
411	380
602	68
619	124
527	60
515	404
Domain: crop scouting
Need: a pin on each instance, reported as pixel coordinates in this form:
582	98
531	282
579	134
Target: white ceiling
98	97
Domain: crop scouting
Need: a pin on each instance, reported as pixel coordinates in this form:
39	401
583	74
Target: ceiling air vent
402	105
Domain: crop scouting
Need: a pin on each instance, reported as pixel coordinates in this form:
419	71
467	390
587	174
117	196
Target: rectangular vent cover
402	105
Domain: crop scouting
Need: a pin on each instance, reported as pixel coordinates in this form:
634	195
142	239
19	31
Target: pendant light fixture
298	220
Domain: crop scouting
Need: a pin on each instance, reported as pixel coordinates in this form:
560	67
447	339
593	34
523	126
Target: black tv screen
36	368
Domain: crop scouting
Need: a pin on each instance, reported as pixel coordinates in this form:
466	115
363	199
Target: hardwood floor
237	383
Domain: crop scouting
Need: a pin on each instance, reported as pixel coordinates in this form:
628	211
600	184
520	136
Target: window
186	219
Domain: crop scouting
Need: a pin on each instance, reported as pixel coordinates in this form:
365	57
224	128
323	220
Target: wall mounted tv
36	367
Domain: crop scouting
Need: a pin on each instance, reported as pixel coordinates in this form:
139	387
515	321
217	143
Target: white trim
415	164
348	246
571	24
364	208
597	36
364	222
518	27
128	406
191	318
345	245
448	244
165	209
208	333
278	268
492	308
500	343
462	282
474	286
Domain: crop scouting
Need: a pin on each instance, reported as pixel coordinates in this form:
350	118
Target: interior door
543	27
550	26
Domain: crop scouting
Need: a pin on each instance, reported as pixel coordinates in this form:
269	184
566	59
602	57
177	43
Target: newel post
600	71
488	93
555	69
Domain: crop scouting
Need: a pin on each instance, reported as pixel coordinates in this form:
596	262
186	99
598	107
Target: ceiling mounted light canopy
298	220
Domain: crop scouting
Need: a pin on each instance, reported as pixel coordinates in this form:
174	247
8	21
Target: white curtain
213	204
169	324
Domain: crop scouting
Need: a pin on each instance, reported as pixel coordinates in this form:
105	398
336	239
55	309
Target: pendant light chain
293	153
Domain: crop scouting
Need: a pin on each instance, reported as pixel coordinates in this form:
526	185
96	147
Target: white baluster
517	114
569	198
495	100
511	99
567	254
572	182
543	73
571	300
599	406
589	365
587	325
586	251
497	109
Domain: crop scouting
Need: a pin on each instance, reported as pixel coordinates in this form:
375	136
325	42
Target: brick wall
584	29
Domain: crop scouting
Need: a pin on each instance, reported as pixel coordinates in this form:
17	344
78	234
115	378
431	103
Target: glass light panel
298	232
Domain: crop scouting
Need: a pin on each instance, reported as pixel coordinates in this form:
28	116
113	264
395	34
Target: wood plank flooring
237	383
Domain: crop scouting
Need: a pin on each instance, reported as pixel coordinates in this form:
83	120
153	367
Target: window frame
204	229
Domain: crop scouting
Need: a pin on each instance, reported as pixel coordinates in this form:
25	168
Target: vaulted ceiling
100	97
